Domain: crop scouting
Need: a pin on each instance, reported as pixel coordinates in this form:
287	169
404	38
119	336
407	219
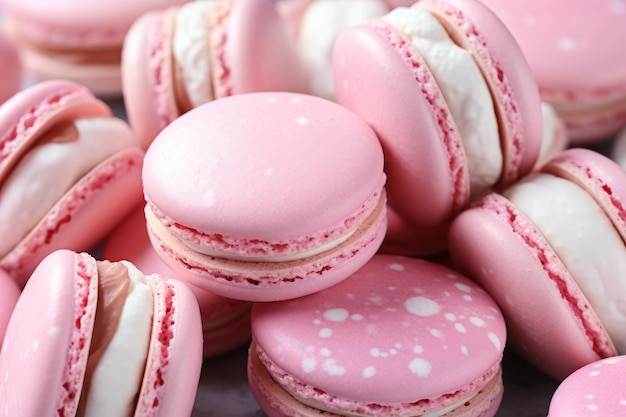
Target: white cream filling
584	239
464	88
118	376
191	48
320	26
46	172
278	258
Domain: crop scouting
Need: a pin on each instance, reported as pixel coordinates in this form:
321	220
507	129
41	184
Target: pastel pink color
45	355
225	322
400	337
551	319
11	68
574	53
77	41
98	201
9	293
276	195
248	49
596	389
425	155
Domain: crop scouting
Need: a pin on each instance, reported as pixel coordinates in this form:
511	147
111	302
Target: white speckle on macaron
477	321
396	267
417	349
567	44
460	328
495	340
271	100
420	367
331	368
463	287
450	316
325	351
325	332
369	372
436	333
464	350
422	306
336	314
309	365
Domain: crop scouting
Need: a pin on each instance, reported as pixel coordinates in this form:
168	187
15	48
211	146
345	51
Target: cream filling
320	26
119	373
584	239
48	170
191	48
464	88
278	258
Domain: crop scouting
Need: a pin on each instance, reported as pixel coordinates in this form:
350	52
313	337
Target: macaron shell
268	281
226	322
9	294
596	389
601	177
418	161
86	213
31	111
527	279
457	326
515	92
44	351
276	402
68	24
174	360
147	82
11	69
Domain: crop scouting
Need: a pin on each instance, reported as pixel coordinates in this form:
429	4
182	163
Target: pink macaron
594	390
69	171
575	53
98	338
11	81
400	337
225	322
265	196
550	250
176	59
450	95
9	294
79	41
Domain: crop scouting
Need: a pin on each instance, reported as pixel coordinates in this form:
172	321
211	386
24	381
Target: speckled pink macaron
225	322
265	196
550	250
454	105
574	51
594	390
400	337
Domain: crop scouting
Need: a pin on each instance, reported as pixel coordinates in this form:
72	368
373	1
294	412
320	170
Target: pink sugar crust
11	68
98	202
265	194
226	322
270	281
596	389
9	293
599	176
44	355
68	24
174	359
147	75
424	155
530	284
323	346
514	90
251	50
276	402
34	110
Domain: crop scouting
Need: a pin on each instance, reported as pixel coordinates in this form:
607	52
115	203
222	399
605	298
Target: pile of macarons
374	198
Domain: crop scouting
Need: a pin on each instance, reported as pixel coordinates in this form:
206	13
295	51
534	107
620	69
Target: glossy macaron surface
400	329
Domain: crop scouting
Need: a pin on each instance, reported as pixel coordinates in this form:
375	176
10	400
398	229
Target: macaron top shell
594	390
572	48
267	167
398	331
